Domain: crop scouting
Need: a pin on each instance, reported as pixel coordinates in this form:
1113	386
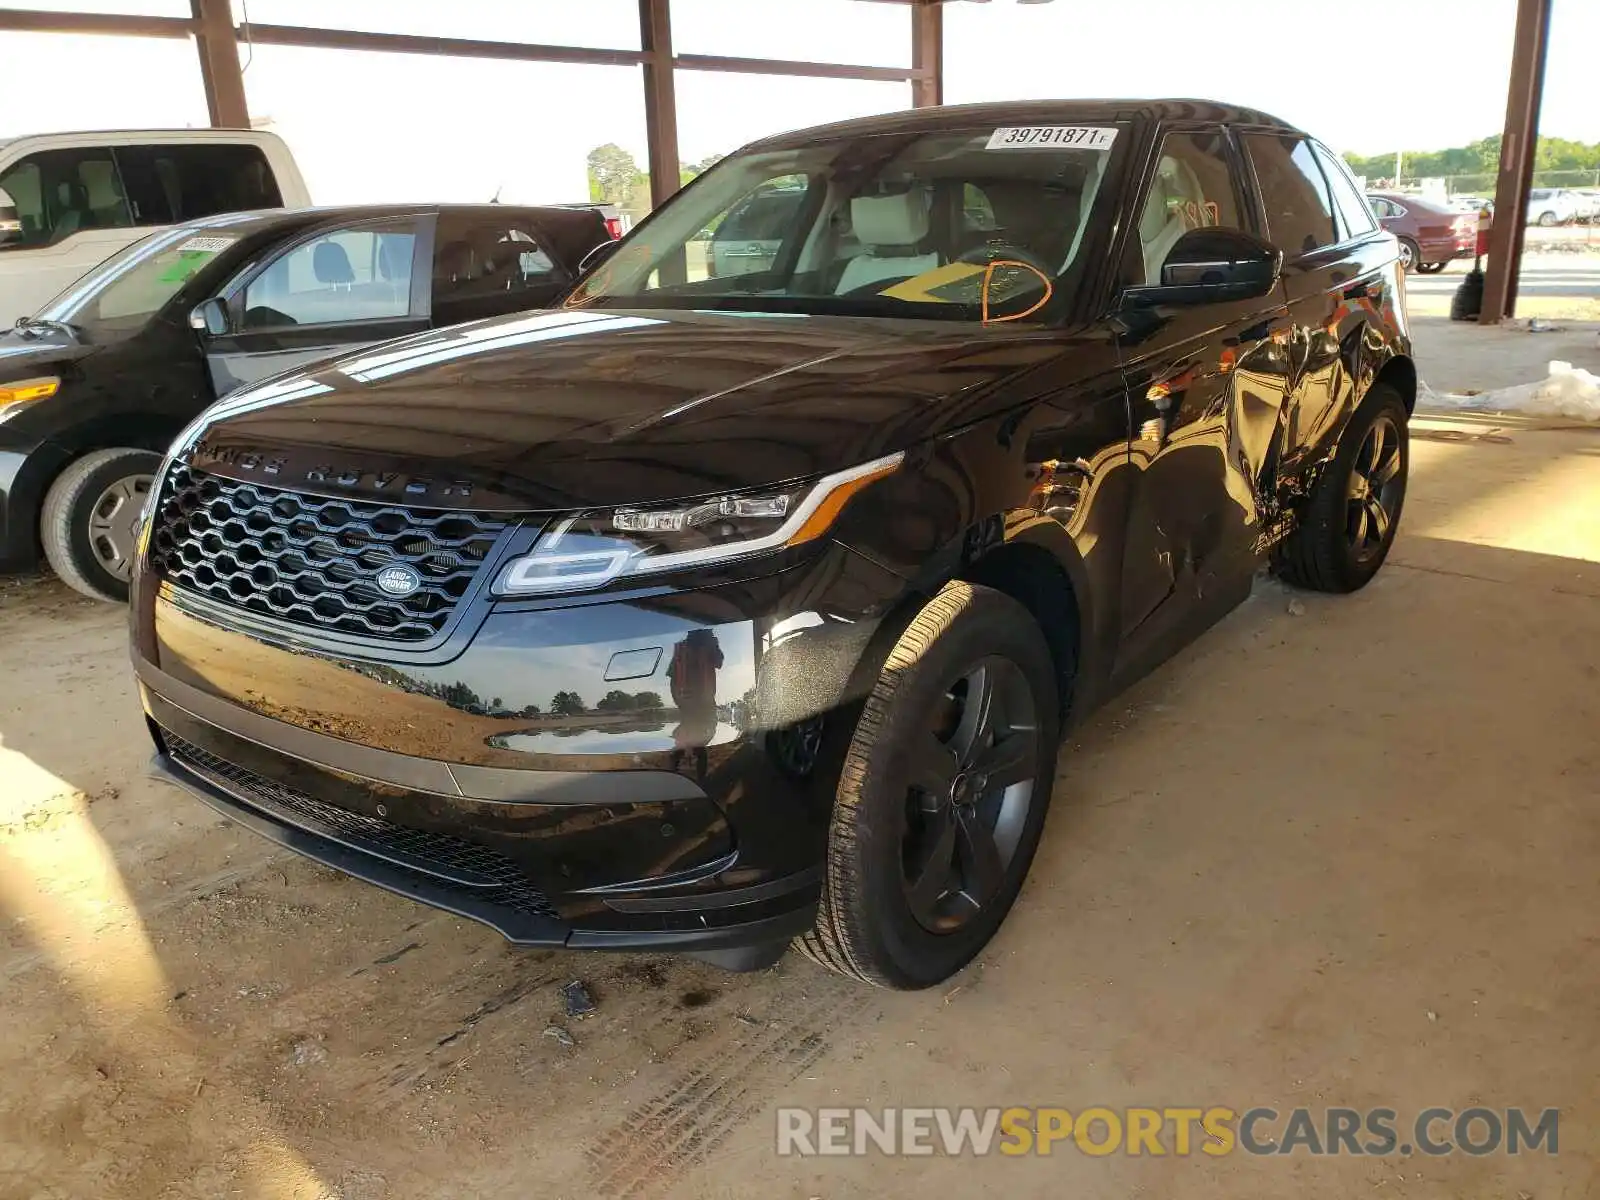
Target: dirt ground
1342	851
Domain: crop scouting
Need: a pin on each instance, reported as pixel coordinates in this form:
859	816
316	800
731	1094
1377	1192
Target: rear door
322	294
1336	282
488	264
1207	383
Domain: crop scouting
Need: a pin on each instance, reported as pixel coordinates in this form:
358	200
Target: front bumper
595	830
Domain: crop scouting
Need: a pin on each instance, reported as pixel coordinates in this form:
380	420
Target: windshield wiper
26	325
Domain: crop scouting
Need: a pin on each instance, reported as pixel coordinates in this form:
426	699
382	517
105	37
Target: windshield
128	288
971	225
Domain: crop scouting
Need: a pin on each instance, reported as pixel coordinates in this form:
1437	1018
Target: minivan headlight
593	548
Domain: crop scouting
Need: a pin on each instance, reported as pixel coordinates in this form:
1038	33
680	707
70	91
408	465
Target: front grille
314	561
486	874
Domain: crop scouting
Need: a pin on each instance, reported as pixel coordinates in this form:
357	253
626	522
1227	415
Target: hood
559	410
40	352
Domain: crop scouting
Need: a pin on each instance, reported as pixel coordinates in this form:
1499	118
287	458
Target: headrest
392	263
330	264
900	220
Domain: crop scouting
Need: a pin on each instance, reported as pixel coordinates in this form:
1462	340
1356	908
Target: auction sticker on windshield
1052	137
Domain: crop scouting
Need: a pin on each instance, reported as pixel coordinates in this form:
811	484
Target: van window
359	274
59	192
488	258
183	181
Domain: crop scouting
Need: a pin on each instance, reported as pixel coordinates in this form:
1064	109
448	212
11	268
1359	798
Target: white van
70	200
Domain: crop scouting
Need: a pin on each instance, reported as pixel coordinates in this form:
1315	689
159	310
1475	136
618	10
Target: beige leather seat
1174	206
889	229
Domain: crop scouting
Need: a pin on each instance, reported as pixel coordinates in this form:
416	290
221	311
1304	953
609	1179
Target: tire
70	512
868	925
1410	254
1431	268
1547	220
1324	553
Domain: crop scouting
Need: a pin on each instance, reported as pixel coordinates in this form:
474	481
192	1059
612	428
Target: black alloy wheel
942	793
972	785
1374	490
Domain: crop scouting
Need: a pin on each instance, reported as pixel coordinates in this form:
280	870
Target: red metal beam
927	54
660	98
405	43
789	66
1517	145
32	20
219	64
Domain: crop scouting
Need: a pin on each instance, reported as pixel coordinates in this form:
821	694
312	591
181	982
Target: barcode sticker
206	245
1052	137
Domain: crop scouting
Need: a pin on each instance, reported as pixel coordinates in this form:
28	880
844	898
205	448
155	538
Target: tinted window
1294	195
359	274
1192	189
489	258
1357	217
181	182
59	192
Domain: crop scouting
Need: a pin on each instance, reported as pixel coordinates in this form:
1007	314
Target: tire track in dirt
729	1081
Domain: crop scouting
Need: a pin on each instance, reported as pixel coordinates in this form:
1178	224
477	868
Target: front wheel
942	796
90	521
1349	523
1547	220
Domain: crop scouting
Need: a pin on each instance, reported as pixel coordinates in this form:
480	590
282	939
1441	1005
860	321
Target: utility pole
1399	162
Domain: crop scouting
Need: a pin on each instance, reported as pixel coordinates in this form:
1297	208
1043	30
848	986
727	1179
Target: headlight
593	548
14	397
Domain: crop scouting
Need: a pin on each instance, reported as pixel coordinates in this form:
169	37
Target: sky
1364	75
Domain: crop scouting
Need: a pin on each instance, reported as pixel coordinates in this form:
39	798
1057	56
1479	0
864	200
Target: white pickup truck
70	200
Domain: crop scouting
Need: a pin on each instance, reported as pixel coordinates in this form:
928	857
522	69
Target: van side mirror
209	317
1208	265
10	222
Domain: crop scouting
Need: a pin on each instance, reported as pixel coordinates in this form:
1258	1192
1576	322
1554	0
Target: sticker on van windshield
206	245
1052	137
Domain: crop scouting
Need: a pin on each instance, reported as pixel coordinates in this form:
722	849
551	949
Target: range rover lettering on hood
297	471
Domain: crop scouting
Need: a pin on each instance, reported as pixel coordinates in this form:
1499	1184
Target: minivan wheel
90	521
942	795
1349	523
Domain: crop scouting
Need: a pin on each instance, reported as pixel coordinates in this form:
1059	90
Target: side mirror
1208	265
597	256
10	222
209	317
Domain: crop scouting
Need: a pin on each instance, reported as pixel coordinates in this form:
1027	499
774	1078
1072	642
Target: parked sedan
713	612
95	386
1431	235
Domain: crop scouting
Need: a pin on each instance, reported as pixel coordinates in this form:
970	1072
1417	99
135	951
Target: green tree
690	170
614	701
567	704
615	178
648	700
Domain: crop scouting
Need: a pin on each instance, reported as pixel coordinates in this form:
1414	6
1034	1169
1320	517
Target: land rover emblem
398	581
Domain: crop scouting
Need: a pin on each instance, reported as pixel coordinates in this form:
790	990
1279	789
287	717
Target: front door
1207	385
332	292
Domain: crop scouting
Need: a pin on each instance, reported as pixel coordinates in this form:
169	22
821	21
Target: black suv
711	611
96	385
